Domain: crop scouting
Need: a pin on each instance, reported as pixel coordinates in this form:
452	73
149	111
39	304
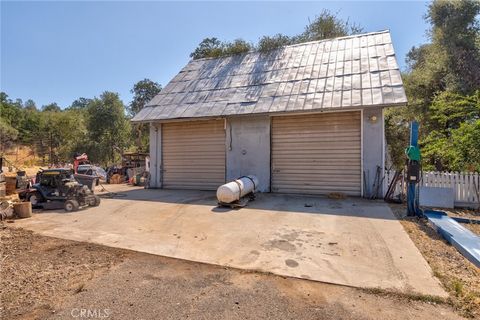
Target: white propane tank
233	191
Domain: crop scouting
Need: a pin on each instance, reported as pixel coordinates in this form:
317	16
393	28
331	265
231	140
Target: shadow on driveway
351	206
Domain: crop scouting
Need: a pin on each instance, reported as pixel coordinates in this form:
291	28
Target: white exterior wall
248	149
155	155
373	148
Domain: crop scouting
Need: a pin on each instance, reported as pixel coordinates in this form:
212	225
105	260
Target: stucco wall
373	148
248	149
155	155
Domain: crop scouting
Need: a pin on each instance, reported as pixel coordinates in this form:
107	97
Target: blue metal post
412	201
414	133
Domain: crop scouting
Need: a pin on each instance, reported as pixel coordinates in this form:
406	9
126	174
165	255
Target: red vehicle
78	160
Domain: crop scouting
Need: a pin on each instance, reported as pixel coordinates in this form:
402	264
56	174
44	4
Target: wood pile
11	184
117	179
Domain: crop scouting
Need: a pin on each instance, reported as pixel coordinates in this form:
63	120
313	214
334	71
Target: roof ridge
298	44
338	38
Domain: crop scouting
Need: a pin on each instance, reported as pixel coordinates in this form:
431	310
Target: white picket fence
466	185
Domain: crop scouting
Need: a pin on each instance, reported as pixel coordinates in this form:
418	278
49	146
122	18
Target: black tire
35	198
97	201
94	201
71	205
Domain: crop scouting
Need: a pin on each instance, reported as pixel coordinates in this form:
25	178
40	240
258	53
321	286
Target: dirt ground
39	272
48	278
458	275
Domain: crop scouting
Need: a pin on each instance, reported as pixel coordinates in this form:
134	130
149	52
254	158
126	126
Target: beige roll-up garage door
317	154
193	154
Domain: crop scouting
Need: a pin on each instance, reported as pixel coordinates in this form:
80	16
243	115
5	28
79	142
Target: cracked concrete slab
351	242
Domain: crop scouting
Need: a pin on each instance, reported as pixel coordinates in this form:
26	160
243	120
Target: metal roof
341	73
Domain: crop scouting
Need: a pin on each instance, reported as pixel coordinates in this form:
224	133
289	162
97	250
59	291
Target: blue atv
58	188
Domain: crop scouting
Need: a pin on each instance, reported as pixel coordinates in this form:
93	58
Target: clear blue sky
60	51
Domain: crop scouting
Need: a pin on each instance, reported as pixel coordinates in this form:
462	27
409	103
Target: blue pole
412	203
414	133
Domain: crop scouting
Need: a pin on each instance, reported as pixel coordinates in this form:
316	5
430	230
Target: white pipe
233	191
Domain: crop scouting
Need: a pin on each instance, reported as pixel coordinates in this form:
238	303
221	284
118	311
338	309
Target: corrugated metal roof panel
354	71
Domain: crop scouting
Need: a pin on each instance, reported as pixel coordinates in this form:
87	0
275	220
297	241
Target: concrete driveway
350	242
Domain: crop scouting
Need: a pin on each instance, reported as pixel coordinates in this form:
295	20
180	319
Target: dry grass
459	276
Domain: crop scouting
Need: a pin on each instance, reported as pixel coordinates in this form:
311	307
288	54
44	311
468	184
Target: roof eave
319	110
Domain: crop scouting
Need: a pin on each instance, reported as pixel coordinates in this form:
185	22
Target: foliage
57	132
238	46
30	105
143	91
326	25
10	113
445	147
466	144
268	43
52	107
208	48
80	104
8	135
396	134
214	48
108	129
455	30
442	83
97	126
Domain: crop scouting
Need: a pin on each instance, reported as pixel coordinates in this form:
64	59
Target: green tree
80	104
440	84
326	25
10	111
238	46
143	91
268	43
108	128
52	107
466	146
8	135
450	114
30	105
10	115
455	30
208	48
29	126
451	61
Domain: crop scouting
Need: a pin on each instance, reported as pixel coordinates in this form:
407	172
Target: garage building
305	118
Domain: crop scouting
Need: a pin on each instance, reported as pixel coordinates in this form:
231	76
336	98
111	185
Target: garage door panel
348	116
212	156
193	155
317	154
321	148
339	136
325	172
334	124
317	178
